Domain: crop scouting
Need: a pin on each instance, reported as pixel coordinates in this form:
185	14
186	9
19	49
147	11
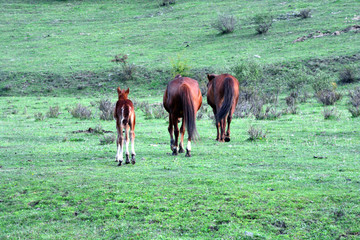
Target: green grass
60	184
300	182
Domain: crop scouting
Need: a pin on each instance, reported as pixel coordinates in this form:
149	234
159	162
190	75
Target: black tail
189	112
228	99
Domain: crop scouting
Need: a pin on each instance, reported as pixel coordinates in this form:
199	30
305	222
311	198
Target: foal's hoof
227	139
181	150
127	161
175	153
133	159
120	162
188	154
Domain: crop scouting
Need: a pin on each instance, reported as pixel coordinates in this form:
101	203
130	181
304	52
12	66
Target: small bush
256	134
354	109
248	73
179	66
348	75
98	129
330	114
106	108
291	102
163	3
8	87
81	112
321	82
128	70
39	116
107	139
53	112
328	97
263	23
151	111
305	13
225	23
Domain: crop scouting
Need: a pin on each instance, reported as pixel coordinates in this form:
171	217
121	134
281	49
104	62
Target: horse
182	99
222	96
124	115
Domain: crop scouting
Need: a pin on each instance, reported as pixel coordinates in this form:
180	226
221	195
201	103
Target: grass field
58	182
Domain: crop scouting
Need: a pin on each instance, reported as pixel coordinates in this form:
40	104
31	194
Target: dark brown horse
222	96
182	99
124	115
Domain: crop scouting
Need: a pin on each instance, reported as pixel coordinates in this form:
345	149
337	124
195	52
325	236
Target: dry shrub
81	112
354	109
291	102
106	108
128	70
39	116
348	75
328	97
330	113
107	139
256	133
53	112
305	13
263	23
163	3
225	23
155	110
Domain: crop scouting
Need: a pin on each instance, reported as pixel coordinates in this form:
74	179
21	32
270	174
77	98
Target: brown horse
222	96
182	99
124	115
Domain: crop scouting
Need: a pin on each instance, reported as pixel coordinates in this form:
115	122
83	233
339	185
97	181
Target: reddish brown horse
222	96
182	99
124	115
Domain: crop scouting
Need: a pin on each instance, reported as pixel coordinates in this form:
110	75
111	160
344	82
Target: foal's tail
189	111
229	95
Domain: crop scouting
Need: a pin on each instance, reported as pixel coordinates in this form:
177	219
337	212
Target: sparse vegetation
80	111
328	97
256	133
106	108
107	139
305	13
330	113
348	75
39	116
179	66
263	22
354	109
163	3
225	23
53	112
128	70
151	111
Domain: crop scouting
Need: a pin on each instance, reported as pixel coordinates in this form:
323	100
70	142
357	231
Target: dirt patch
91	130
319	34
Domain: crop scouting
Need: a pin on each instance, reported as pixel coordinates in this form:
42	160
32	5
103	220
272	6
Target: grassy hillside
69	36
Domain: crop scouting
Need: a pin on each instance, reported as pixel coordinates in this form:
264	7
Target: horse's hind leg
170	129
127	128
227	134
119	143
182	132
176	133
132	138
188	148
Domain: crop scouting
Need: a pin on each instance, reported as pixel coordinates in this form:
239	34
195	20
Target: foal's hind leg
119	143
182	132
127	128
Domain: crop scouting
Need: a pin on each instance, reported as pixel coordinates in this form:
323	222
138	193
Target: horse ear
210	76
127	91
118	90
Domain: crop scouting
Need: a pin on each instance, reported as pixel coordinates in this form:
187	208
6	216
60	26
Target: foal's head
123	94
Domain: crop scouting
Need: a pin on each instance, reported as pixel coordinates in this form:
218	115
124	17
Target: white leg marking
188	147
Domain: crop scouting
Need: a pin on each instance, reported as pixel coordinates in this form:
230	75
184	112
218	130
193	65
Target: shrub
263	23
305	13
291	102
225	23
106	108
321	82
107	139
179	66
39	116
256	134
155	110
330	113
354	109
81	112
166	2
248	72
8	87
128	70
328	97
348	75
53	112
98	129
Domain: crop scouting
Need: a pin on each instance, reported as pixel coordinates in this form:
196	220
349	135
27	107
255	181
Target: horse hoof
133	159
187	153
119	164
174	153
181	150
227	139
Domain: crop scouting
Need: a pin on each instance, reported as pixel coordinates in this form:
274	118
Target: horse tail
189	112
228	99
